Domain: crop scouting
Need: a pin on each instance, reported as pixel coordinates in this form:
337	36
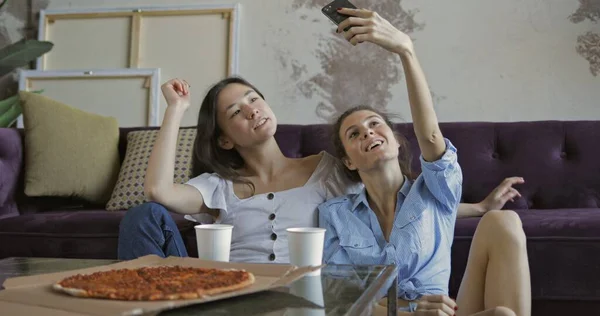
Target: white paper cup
214	241
306	247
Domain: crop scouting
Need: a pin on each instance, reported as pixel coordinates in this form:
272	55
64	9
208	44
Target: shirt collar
406	186
361	197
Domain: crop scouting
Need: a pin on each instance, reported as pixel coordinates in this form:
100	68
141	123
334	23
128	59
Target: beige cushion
68	152
129	190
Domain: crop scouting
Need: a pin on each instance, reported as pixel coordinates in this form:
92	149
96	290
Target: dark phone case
330	11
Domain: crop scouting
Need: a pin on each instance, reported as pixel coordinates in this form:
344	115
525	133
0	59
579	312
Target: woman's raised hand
368	26
176	92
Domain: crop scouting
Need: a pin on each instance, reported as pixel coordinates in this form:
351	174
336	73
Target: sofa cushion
68	152
555	158
129	189
66	234
554	224
11	160
565	240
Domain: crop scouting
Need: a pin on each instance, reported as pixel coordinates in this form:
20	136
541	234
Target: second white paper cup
306	247
214	241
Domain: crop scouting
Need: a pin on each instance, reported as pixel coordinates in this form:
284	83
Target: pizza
155	283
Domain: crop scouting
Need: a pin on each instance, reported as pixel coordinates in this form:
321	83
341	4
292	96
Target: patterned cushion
129	190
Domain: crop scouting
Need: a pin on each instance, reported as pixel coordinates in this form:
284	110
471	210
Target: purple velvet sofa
560	207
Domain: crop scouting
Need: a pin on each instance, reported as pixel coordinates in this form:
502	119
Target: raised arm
368	26
158	184
425	121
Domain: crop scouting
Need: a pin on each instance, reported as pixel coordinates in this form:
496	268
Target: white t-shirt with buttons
260	222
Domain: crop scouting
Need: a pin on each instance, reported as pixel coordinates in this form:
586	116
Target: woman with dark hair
240	177
408	222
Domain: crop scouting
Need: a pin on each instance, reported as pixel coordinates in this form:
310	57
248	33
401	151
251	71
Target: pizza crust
200	293
231	288
70	291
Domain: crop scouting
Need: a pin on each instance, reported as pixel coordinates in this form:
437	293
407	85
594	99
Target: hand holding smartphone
330	11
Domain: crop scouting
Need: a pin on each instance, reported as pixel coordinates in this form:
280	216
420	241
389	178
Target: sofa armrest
11	162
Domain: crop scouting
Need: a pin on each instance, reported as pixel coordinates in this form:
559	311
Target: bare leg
380	309
497	272
496	311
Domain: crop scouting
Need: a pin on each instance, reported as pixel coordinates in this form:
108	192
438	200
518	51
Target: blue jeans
149	229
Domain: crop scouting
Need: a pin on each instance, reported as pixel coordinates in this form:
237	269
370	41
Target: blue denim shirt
422	235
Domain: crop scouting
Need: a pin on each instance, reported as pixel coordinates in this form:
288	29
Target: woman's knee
506	225
508	219
143	212
503	311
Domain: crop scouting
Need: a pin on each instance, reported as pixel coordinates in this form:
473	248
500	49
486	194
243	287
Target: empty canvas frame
197	43
129	95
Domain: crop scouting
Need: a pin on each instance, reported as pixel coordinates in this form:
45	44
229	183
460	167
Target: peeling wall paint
507	60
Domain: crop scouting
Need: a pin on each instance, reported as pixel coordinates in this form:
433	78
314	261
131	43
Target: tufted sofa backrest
559	160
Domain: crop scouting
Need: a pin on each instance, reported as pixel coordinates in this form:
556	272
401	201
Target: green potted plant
12	57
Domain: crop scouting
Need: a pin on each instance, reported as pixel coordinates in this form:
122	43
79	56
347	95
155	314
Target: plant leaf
9	118
21	53
7	103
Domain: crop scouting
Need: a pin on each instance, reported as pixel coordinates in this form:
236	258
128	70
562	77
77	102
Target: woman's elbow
152	193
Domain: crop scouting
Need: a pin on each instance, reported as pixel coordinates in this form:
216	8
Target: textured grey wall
495	61
588	44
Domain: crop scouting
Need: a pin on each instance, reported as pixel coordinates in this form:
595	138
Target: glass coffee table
339	290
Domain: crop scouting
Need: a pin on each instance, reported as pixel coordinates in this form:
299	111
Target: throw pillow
129	190
68	152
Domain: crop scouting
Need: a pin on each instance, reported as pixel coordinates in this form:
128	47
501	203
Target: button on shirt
422	234
259	222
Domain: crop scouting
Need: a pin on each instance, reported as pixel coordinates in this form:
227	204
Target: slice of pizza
155	283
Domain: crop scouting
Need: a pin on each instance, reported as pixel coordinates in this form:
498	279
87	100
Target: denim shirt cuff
448	158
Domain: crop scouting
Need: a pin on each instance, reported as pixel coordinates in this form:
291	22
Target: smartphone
330	11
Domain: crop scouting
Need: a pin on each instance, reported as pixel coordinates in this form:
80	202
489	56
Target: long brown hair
404	155
208	156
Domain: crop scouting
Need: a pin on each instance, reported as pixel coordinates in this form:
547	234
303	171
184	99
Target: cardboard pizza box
34	295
